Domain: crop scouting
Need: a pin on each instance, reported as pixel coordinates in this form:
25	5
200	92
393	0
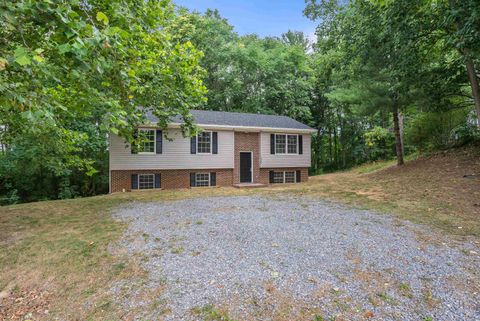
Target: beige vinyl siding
268	160
175	154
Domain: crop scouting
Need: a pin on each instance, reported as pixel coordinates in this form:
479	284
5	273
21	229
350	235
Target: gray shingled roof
221	118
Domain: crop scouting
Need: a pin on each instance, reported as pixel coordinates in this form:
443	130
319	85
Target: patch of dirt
450	179
25	304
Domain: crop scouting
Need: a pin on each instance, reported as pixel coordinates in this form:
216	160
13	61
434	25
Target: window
286	144
292	144
278	177
289	177
284	177
202	179
204	143
146	181
280	144
147	144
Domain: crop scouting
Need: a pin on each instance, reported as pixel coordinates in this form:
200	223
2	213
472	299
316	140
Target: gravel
263	258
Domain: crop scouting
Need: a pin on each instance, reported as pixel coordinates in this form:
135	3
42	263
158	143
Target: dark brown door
245	167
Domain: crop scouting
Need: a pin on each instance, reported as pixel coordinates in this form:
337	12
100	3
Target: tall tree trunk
398	133
330	144
319	149
335	149
472	76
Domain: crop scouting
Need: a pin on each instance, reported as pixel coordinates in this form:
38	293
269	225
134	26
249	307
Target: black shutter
299	176
300	144
134	147
158	181
213	179
214	143
159	141
272	143
192	180
271	177
134	181
193	145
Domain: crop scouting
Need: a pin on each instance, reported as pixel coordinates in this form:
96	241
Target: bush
438	130
379	142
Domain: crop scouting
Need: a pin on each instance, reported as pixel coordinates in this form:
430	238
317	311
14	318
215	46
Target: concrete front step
249	185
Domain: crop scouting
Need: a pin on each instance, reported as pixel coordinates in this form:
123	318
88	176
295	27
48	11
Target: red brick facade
247	142
170	179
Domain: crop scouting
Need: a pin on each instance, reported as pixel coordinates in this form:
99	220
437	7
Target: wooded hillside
383	79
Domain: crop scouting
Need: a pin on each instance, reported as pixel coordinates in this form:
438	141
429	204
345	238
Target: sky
263	17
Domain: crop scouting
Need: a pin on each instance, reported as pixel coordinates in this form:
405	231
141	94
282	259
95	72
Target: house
231	149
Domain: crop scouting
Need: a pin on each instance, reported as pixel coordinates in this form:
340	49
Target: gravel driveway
263	258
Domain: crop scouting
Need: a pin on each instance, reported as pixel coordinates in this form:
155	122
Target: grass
430	190
59	250
61	247
211	313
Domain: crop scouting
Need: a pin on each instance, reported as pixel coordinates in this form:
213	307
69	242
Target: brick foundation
171	179
265	173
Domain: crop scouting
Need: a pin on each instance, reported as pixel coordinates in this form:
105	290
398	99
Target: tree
461	23
387	48
73	71
296	38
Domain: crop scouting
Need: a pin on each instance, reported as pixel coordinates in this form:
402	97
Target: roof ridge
238	112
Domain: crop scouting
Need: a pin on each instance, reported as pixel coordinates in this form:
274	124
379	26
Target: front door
245	167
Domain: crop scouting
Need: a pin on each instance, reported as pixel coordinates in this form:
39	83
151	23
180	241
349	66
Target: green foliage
379	142
439	130
374	59
73	71
250	74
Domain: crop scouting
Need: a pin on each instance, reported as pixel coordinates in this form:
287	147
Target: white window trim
146	174
286	144
154	142
211	143
209	178
283	179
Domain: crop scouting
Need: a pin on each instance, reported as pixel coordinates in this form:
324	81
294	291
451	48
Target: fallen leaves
25	305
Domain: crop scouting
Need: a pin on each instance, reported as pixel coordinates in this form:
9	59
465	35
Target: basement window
289	177
284	177
146	181
202	179
278	177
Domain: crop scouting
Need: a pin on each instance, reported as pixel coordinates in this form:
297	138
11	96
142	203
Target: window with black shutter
192	180
134	181
300	144
213	179
215	143
272	144
193	145
159	141
299	176
158	181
